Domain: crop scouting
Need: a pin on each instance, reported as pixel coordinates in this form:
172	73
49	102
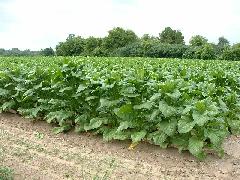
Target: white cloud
38	24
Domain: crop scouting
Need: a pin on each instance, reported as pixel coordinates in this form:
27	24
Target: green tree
170	36
223	42
222	45
15	52
2	51
198	40
147	37
207	51
117	38
73	46
236	46
232	53
92	46
47	52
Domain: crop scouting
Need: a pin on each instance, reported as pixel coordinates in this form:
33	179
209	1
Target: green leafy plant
188	104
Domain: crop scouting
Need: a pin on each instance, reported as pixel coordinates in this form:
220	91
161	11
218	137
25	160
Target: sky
37	24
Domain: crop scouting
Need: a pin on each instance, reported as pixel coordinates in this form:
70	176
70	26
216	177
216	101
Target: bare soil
34	152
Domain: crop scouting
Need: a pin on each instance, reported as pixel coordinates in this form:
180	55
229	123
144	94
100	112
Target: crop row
192	105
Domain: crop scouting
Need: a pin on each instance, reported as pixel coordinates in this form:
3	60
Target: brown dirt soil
34	152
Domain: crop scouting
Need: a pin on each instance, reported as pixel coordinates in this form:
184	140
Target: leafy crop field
188	104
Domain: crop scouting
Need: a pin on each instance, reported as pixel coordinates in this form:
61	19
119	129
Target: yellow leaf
133	145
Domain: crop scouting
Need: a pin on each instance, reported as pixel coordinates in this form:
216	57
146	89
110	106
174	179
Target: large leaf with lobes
107	103
167	110
59	116
195	147
138	136
185	124
200	118
168	126
125	125
7	105
94	123
145	105
125	112
159	138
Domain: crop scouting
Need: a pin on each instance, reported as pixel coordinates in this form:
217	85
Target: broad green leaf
57	102
38	86
168	87
60	116
234	126
65	89
154	116
29	92
166	110
131	95
108	134
185	124
213	110
94	123
195	147
3	92
61	129
180	141
79	128
216	136
159	138
223	106
8	105
124	125
187	109
168	127
30	113
129	92
91	98
155	97
138	136
81	119
199	118
145	105
124	112
140	73
175	95
107	103
201	106
81	88
121	135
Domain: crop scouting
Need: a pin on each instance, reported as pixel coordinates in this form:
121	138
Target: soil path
34	152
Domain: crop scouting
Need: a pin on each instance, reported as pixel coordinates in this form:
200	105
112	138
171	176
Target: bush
232	54
207	52
131	50
165	50
151	49
47	52
73	46
190	53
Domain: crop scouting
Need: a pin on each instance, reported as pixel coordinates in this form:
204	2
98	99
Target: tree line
169	44
125	43
27	52
18	52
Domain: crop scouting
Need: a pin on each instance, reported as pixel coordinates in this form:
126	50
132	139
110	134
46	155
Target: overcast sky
36	24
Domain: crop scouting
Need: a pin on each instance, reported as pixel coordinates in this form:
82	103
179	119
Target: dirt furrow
34	152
